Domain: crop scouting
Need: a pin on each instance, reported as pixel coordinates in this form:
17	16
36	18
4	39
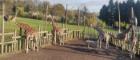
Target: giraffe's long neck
125	35
128	30
53	23
133	34
26	27
55	28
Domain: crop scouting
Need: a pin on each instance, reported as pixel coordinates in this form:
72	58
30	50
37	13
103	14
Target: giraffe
102	36
31	35
57	33
123	36
133	39
133	42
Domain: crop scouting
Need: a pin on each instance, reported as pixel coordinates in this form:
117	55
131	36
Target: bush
92	21
122	24
101	24
20	11
29	15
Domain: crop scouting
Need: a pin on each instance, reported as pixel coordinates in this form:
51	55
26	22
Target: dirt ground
74	50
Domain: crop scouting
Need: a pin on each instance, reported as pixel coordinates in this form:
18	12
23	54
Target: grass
11	26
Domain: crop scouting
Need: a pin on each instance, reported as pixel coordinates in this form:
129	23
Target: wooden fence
126	45
14	43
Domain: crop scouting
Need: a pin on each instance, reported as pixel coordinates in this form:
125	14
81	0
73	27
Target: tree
70	15
8	6
84	10
45	9
110	13
137	12
58	10
92	20
84	13
101	23
29	5
104	13
0	7
107	13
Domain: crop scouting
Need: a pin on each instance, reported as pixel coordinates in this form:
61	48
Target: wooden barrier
126	45
45	38
12	45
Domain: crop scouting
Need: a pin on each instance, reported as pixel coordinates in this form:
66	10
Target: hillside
11	26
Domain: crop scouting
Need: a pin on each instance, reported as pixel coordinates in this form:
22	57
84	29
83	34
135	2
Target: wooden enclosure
15	43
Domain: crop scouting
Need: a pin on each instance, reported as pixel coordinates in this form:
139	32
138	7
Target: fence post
70	32
2	40
73	34
55	37
15	40
39	38
47	36
19	47
78	34
6	49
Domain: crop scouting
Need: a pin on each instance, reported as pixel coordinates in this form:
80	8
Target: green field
11	26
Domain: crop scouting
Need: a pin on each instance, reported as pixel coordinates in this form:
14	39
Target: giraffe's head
6	17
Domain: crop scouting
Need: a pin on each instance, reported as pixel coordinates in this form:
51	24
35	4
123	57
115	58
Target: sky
92	5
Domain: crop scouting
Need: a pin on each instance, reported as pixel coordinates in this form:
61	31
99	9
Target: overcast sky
92	5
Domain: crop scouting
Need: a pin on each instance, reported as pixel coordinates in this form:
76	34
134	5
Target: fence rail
126	45
45	38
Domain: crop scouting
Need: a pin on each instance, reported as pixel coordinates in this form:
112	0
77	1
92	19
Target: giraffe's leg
122	44
62	40
59	39
131	52
55	37
33	45
134	50
27	45
100	43
97	43
106	42
36	43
